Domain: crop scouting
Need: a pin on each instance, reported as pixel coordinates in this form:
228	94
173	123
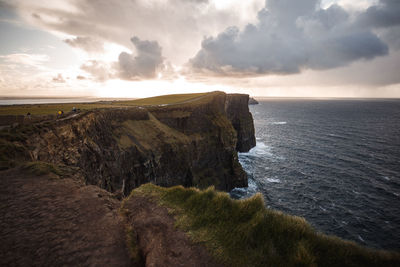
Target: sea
334	162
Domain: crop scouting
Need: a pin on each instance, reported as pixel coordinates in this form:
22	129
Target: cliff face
190	144
238	113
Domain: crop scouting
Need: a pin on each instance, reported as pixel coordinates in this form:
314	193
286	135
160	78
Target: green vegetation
150	134
245	233
48	109
163	100
10	154
12	149
41	168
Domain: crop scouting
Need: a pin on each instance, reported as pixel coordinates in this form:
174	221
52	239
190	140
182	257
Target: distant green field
163	99
46	109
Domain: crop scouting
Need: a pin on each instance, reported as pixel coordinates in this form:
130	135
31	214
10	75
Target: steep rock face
238	113
253	101
190	144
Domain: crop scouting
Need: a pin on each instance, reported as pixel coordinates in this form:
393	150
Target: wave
273	180
337	136
245	192
259	150
278	123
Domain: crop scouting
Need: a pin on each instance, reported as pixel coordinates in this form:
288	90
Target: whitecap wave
278	122
273	180
259	150
245	192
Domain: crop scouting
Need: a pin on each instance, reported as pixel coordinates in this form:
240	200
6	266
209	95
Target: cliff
238	113
193	143
253	101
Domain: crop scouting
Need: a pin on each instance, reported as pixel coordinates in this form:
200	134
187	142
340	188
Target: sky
141	48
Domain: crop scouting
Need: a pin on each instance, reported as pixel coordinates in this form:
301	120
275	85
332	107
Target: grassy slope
46	109
163	100
245	233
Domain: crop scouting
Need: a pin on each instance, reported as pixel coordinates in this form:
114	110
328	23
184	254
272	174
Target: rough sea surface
334	162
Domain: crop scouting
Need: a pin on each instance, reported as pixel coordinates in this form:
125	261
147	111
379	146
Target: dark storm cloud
88	44
291	36
384	14
144	64
385	18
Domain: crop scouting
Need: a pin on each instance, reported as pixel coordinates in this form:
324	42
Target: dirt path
161	243
48	221
51	222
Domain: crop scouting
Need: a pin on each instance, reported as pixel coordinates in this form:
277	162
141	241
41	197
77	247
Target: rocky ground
48	221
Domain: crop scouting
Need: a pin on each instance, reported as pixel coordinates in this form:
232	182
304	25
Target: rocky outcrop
190	144
237	110
253	101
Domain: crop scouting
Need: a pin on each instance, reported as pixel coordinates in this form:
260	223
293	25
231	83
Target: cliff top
47	109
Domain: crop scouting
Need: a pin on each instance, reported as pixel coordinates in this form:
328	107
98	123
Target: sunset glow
329	48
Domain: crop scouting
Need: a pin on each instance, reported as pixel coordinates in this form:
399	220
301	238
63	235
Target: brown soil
48	221
161	243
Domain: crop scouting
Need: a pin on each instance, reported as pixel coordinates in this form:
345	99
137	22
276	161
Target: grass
245	233
150	134
12	150
48	109
163	100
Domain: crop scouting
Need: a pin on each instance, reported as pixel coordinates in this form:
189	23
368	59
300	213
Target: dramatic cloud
178	25
88	44
385	17
384	14
144	65
291	36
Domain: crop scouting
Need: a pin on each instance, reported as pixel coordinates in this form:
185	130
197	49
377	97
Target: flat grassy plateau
48	109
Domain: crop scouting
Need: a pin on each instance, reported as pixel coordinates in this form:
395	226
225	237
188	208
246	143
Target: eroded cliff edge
194	143
238	113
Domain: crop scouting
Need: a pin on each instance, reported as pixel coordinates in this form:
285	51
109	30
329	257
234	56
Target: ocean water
334	162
